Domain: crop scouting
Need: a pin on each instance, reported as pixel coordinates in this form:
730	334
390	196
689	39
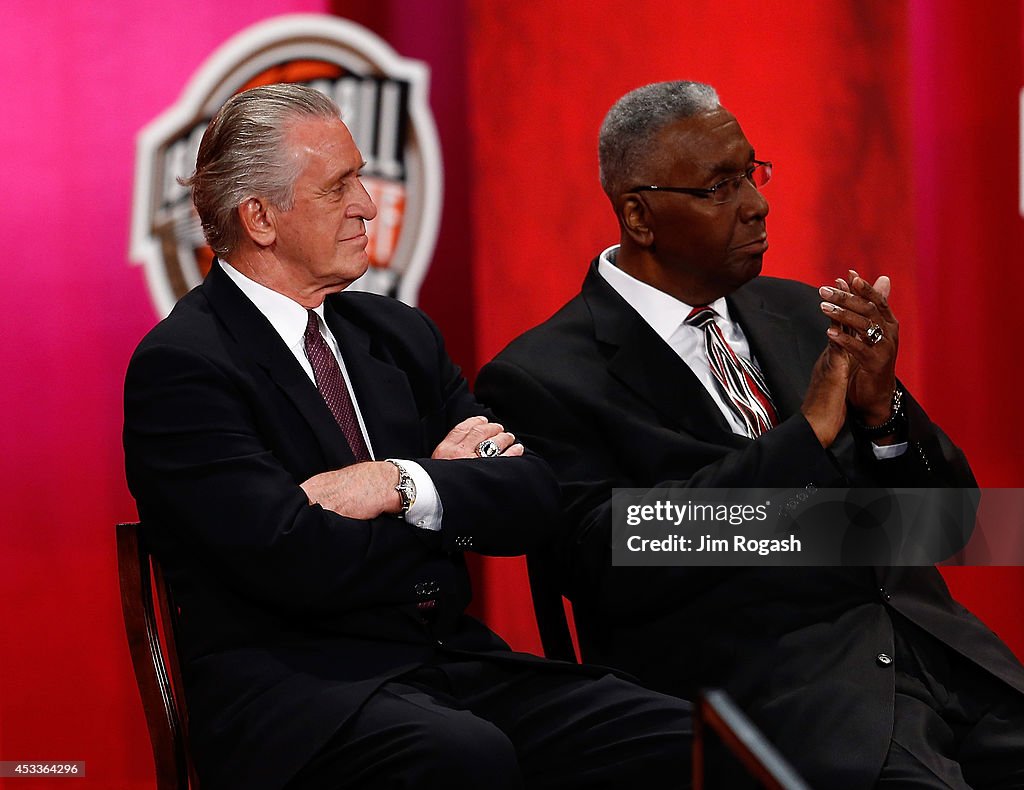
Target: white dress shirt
289	320
666	315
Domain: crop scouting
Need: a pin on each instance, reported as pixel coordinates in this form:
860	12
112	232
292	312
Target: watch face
407	491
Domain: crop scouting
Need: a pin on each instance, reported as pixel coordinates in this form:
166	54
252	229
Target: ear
257	220
636	219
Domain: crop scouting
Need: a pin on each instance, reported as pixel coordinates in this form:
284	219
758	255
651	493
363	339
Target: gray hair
629	128
243	155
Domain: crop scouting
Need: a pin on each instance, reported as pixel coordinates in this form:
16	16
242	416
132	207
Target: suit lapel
648	366
382	390
260	341
784	356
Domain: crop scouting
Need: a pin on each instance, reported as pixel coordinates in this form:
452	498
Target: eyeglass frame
709	191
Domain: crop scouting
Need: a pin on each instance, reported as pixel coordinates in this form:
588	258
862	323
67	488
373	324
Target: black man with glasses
679	366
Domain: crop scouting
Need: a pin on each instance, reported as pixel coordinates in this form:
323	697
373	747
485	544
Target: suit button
440	642
883	659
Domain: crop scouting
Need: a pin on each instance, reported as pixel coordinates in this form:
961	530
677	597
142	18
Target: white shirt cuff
426	511
882	452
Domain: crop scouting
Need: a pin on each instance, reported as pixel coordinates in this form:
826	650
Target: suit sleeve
589	466
495	506
931	459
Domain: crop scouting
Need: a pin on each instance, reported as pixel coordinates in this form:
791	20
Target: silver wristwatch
406	487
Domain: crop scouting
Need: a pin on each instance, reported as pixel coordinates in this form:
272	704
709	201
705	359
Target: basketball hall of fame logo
383	100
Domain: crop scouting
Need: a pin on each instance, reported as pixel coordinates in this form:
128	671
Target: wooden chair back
150	620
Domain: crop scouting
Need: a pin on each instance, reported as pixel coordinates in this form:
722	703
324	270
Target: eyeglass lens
727	190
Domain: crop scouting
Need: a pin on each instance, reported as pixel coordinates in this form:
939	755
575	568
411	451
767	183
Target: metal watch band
406	487
896	421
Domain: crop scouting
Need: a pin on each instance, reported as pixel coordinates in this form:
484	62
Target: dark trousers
492	726
955	725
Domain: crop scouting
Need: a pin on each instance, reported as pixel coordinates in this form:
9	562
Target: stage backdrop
895	131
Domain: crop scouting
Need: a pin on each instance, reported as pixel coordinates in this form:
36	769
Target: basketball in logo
383	101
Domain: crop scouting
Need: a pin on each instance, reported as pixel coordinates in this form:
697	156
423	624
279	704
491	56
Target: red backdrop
894	127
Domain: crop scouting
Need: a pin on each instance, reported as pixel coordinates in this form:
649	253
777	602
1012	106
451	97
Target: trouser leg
955	725
406	737
578	731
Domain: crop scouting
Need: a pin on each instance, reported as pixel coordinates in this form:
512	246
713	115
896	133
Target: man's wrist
404	487
874	419
880	430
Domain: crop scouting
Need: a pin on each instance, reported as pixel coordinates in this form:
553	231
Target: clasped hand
855	306
853	372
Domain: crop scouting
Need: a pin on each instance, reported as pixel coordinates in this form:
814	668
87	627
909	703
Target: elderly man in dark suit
677	366
310	469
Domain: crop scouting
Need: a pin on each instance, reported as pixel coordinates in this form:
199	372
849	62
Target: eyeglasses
725	191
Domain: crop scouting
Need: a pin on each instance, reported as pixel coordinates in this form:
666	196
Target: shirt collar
663	312
287	316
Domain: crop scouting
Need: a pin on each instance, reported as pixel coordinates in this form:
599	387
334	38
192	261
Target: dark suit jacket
608	404
290	614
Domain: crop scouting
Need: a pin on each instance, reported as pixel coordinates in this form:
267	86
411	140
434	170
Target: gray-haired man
310	467
678	366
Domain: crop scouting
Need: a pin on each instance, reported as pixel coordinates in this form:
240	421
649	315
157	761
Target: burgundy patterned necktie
738	379
332	386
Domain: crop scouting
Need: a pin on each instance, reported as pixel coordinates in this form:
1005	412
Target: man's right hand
367	490
824	404
363	491
462	440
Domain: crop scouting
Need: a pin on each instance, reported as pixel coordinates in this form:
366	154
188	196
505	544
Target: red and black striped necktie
738	379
